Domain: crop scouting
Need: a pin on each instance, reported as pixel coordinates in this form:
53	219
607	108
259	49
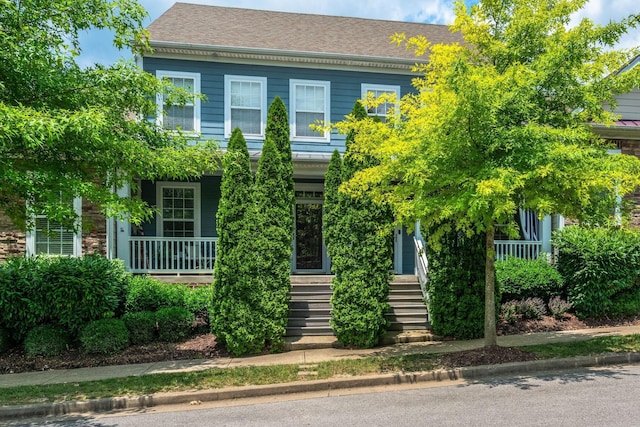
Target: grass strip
275	374
599	345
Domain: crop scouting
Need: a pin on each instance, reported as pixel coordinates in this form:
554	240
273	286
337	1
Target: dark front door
309	254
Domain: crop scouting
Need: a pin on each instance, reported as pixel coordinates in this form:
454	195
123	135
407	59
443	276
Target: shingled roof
201	28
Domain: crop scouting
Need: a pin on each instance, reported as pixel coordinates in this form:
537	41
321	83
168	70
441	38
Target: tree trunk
490	338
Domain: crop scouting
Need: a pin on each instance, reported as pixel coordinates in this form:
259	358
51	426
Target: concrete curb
467	373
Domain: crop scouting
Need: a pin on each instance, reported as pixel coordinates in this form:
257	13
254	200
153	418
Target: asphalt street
588	397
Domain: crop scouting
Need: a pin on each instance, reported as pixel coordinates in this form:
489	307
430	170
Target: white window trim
196	205
327	111
77	236
196	101
370	87
227	104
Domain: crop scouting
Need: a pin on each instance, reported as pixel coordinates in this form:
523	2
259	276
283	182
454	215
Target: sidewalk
299	357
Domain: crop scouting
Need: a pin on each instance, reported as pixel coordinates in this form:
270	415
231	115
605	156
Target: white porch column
123	232
546	234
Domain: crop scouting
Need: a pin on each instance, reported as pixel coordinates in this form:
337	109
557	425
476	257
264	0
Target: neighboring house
624	134
241	59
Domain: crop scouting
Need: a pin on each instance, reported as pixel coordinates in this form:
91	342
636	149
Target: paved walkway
299	357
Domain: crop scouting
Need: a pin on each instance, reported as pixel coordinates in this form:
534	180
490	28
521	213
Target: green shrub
5	340
148	294
600	268
456	285
23	305
558	307
141	326
198	302
174	323
105	336
518	278
531	308
60	290
359	242
509	312
46	340
626	304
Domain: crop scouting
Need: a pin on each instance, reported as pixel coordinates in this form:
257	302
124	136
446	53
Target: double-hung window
179	206
50	238
375	91
180	117
245	105
309	105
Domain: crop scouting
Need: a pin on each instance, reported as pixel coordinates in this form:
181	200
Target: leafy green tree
267	245
360	247
501	122
67	131
231	281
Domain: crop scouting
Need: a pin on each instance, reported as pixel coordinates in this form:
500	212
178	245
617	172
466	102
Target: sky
97	48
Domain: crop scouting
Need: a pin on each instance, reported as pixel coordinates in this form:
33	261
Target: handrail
422	265
172	254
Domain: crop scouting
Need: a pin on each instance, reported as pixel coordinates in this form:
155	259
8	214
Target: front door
309	253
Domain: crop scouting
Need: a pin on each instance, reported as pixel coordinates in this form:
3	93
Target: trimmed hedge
66	291
600	267
141	326
174	323
47	340
148	294
105	336
518	278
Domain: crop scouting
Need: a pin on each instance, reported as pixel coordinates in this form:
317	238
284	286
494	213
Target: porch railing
172	255
517	248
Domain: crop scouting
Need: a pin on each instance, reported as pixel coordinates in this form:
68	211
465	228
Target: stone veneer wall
94	234
12	241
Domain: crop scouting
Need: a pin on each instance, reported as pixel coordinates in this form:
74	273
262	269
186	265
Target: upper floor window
51	238
183	117
381	110
309	105
179	206
245	105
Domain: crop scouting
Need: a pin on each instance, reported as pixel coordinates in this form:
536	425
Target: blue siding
209	199
345	90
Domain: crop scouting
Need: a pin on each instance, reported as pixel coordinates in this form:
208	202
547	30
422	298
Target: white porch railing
517	248
172	255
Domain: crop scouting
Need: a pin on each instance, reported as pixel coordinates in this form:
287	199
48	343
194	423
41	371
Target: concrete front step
309	342
310	308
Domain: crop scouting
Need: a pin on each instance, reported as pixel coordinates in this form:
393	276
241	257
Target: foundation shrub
558	307
174	323
600	267
69	292
518	278
141	326
105	336
47	340
148	294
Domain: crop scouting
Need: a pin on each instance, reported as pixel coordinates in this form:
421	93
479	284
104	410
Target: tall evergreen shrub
268	242
331	215
456	285
361	251
231	276
277	129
